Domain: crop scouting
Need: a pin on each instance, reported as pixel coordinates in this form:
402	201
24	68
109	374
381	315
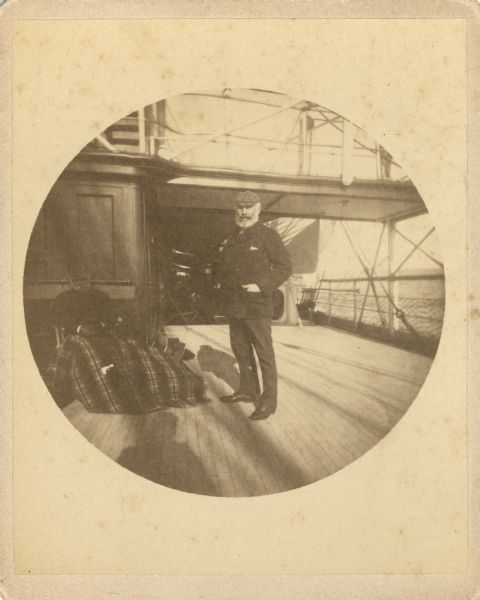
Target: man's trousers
247	335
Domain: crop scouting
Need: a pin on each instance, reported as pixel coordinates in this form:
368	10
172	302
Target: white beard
245	222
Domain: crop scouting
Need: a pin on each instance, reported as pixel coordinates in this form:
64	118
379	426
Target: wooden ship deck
339	395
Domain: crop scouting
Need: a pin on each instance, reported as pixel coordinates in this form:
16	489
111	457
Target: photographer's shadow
221	364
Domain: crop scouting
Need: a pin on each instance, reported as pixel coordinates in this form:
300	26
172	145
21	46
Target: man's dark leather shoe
237	397
262	412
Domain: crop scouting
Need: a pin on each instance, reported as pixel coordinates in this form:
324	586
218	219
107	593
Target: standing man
253	263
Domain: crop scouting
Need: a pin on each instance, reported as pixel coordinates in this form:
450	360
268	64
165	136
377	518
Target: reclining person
109	370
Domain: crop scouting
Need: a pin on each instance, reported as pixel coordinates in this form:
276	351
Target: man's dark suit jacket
256	256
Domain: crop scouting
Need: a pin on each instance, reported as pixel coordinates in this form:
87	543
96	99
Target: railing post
392	285
329	300
378	161
309	123
227	149
347	152
302	144
160	120
141	131
354	304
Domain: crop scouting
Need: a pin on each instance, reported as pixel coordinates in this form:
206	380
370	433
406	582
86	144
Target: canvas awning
196	188
293	196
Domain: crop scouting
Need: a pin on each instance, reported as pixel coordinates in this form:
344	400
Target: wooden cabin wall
100	225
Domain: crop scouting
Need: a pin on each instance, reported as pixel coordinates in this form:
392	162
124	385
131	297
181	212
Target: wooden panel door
97	224
94	225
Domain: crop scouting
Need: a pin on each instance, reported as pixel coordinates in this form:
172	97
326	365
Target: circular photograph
234	292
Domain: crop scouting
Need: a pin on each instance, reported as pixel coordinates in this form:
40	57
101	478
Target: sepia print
242	316
169	243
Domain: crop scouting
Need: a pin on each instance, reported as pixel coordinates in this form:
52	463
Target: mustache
245	220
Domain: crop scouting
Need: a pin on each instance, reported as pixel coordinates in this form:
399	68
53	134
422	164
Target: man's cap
247	199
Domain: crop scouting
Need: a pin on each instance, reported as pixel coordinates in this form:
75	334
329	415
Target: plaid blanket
108	374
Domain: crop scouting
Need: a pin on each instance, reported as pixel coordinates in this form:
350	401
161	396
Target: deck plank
338	396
